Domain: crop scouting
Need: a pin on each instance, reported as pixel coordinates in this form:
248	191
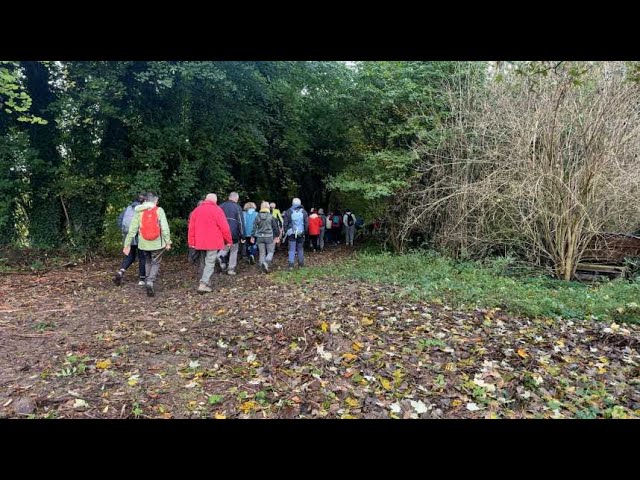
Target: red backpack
149	224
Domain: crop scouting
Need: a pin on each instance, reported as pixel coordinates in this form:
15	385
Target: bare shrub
538	162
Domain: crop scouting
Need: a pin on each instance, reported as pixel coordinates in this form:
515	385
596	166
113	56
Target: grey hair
212	197
234	196
296	202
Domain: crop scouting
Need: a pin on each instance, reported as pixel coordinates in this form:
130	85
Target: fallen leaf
352	402
80	403
349	357
104	364
246	407
522	352
419	406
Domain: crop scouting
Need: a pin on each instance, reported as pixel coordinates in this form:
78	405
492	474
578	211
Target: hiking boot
300	265
223	267
252	259
265	267
150	291
290	266
141	283
231	272
203	288
117	278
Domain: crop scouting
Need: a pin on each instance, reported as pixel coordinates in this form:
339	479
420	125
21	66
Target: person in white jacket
349	222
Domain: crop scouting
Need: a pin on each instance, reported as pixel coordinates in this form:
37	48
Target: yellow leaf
220	312
397	375
349	357
450	367
522	352
357	346
456	403
352	402
366	321
386	384
133	382
346	416
104	364
324	326
219	416
246	407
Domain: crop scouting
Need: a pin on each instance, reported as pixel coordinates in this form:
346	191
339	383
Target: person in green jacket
154	237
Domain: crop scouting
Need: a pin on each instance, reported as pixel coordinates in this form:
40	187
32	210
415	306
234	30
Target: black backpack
350	220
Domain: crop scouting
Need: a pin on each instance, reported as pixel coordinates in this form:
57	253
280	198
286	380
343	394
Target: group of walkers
218	233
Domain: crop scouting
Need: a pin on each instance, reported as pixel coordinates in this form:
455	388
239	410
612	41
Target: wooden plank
596	267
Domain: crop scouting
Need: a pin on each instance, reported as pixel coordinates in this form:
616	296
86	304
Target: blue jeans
296	244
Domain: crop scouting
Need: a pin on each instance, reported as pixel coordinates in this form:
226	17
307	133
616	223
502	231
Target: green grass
488	284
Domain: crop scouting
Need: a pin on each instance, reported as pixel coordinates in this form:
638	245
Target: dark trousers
129	259
314	241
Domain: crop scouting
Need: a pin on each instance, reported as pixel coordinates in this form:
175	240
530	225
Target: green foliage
14	100
73	365
395	105
270	130
471	284
15	154
178	228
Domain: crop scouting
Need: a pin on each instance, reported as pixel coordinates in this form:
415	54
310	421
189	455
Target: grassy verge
467	285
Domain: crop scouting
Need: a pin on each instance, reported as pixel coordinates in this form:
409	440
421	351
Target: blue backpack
297	222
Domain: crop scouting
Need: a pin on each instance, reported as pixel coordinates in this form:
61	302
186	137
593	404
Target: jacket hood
251	210
145	206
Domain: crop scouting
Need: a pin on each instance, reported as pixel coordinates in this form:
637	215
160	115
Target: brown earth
74	345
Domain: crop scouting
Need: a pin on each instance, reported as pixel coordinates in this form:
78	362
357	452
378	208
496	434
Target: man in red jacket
208	231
